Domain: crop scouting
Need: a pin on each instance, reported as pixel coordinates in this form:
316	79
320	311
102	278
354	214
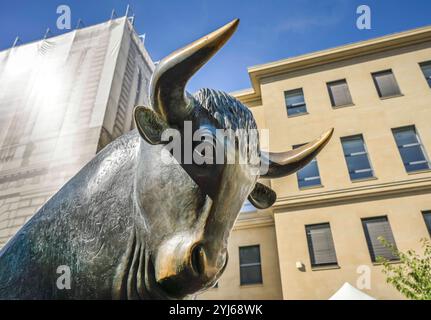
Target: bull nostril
198	259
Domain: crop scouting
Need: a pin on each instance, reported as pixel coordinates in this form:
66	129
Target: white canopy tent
349	292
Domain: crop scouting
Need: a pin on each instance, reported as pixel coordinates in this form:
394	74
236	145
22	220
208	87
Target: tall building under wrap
61	100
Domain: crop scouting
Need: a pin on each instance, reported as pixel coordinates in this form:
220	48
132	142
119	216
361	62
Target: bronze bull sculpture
130	226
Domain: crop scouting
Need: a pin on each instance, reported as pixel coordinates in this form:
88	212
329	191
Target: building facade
373	178
61	100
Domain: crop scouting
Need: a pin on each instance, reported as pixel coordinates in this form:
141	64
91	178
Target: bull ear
149	124
262	197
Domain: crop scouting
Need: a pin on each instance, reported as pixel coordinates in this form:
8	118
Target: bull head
188	210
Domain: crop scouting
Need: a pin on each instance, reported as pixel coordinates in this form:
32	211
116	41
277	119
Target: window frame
371	169
426	64
331	96
418	143
250	265
318	171
312	254
426	213
304	104
374	74
372	255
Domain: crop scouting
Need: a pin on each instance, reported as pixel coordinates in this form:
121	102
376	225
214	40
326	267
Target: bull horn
285	163
167	90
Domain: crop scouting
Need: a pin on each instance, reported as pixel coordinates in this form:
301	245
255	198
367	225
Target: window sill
390	97
343	106
251	285
322	268
297	115
377	264
419	171
317	186
364	179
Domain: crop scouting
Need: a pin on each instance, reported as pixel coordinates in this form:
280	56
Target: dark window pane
375	228
411	167
353	145
251	274
309	175
358	162
250	266
411	149
321	245
405	136
412	155
339	93
361	174
426	69
249	254
427	217
295	102
356	156
386	84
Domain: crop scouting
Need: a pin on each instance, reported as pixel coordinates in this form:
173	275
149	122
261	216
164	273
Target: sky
269	30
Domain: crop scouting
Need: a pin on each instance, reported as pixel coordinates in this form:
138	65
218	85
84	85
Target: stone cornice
255	221
340	196
385	43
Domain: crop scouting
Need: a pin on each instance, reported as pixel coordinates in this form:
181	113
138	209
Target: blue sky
269	29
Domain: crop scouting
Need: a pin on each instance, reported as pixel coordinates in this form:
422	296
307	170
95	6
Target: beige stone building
373	178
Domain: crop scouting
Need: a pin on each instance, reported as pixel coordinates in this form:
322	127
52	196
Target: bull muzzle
185	266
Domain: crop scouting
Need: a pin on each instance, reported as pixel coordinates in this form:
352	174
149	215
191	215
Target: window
427	218
320	245
339	93
386	84
426	69
375	228
309	175
356	156
411	149
295	102
249	265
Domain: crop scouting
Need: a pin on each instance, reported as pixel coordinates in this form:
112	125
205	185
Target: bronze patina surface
130	226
